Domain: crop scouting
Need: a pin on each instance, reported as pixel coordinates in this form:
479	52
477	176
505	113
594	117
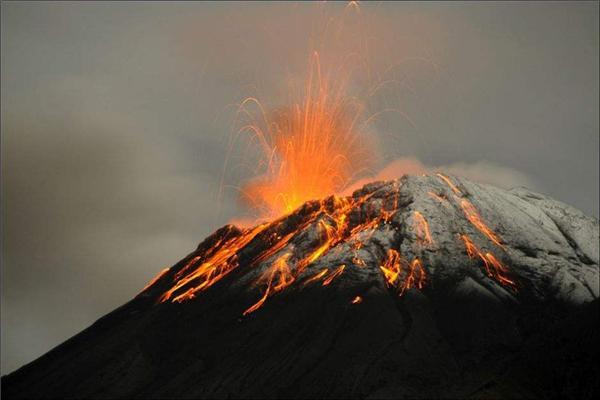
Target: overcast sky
116	120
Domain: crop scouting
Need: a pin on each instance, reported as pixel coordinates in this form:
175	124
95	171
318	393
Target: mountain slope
423	287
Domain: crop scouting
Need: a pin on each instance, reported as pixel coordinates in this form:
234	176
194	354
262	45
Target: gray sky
116	120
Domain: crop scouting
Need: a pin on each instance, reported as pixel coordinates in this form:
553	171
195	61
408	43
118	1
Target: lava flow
422	229
410	275
322	241
494	268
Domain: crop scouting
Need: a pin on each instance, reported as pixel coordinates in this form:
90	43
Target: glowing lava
401	274
219	264
470	212
494	268
286	252
310	149
422	229
475	218
278	277
337	272
391	267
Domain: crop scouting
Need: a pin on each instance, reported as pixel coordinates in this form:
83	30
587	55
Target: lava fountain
309	149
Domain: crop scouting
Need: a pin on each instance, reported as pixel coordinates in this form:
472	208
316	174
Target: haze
116	120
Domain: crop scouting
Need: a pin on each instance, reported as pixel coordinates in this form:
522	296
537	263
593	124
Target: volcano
422	287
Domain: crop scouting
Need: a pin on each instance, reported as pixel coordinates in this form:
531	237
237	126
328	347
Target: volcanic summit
421	287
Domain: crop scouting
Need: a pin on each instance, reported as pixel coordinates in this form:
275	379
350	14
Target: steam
479	171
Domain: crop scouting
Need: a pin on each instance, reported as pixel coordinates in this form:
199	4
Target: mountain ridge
446	285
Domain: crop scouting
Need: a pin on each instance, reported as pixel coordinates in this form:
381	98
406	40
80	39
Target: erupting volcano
339	233
336	228
426	286
312	148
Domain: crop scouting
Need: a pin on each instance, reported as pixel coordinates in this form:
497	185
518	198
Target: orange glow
472	214
422	229
337	272
391	267
359	262
278	277
449	183
494	268
331	219
213	269
280	244
316	277
500	270
335	222
259	303
357	300
415	277
437	197
472	250
311	149
474	218
190	264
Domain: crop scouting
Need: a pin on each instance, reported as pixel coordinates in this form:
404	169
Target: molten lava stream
449	183
494	268
331	235
437	197
337	272
391	267
222	261
316	277
279	269
415	278
422	229
475	219
414	275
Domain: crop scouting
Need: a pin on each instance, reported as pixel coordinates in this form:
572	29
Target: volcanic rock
423	287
